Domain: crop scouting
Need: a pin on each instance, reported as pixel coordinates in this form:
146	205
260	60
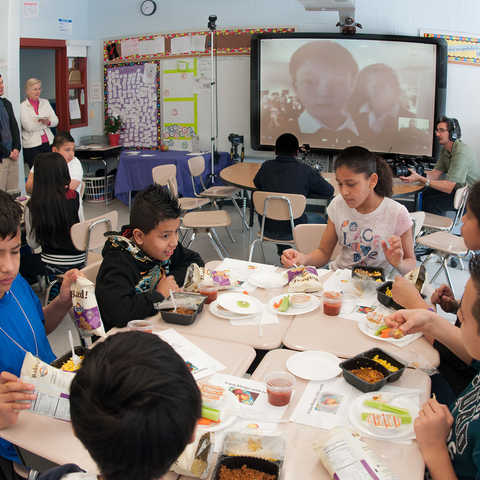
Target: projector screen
333	91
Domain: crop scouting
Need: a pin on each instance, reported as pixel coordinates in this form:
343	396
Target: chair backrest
196	165
82	189
91	271
308	236
162	173
88	235
460	202
172	185
417	218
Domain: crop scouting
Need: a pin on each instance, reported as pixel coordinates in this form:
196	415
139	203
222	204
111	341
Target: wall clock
148	7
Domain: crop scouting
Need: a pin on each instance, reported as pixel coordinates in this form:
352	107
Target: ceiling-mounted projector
328	5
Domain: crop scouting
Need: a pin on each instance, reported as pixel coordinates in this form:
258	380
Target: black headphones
453	135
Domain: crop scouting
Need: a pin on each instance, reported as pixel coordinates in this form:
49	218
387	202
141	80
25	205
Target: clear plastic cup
140	326
279	388
273	289
210	290
307	427
332	303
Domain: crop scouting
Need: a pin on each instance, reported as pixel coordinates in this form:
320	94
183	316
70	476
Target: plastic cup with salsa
140	326
210	290
332	303
279	388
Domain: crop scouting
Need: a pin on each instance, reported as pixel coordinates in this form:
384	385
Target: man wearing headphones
457	160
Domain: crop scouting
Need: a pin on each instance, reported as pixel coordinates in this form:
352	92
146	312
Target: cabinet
77	93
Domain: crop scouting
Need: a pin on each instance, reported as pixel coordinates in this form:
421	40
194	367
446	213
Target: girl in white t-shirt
372	229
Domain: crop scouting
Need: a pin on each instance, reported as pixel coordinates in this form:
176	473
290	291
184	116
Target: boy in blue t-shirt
450	438
24	324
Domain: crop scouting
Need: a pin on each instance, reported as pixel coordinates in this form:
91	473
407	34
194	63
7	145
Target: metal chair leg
219	241
240	213
215	244
263	252
230	235
252	248
192	238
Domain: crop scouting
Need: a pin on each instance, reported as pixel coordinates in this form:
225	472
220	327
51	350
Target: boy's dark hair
151	206
473	202
475	276
10	216
287	145
361	160
134	405
61	138
450	125
330	54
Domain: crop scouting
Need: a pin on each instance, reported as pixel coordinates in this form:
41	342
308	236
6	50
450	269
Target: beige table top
54	439
241	175
301	462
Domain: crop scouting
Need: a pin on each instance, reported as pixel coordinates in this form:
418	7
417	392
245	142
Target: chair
196	166
443	223
82	189
418	219
186	203
162	173
87	236
307	237
206	222
276	206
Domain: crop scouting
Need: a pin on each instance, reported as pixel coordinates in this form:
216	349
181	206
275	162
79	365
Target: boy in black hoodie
143	262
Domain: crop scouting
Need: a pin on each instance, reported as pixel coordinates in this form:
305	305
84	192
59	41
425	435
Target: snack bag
195	460
223	279
342	446
52	387
304	279
418	278
193	277
85	308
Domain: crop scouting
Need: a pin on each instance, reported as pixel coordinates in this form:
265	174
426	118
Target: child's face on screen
355	188
323	92
9	261
161	242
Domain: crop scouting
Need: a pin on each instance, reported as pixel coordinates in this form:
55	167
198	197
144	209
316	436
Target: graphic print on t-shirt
364	243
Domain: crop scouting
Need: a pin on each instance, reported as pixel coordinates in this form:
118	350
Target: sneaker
54	292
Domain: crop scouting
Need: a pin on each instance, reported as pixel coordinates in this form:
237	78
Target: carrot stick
204	421
385	333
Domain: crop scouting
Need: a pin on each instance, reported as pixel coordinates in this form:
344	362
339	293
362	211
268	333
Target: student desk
300	459
135	170
53	439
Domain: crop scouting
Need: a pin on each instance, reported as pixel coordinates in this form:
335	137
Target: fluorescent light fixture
329	5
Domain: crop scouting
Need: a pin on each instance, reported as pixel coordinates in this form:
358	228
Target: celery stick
380	330
211	414
386	407
405	418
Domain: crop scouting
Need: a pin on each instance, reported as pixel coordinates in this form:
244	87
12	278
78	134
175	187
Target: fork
75	358
239	412
258	320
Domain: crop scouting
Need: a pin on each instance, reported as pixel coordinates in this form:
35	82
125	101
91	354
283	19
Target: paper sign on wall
30	10
65	26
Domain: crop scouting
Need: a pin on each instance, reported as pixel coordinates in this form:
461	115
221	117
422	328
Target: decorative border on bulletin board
157	81
110	47
463	49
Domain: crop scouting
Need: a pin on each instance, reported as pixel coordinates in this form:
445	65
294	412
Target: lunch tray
369	269
391	360
260	464
389	302
358	362
178	318
67	356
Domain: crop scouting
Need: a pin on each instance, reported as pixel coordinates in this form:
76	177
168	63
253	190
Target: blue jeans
311	218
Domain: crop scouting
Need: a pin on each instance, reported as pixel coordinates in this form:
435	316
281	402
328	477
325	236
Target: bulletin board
462	49
132	91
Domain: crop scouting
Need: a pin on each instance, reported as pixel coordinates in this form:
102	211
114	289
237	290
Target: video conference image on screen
337	93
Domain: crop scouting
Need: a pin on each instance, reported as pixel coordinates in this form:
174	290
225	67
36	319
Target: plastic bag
85	308
304	279
196	459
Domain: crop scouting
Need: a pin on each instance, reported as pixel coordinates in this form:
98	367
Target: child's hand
393	252
406	295
166	284
432	427
291	256
410	321
12	390
444	297
69	277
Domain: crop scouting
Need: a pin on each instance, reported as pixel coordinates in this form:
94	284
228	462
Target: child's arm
399	252
432	428
444	297
319	257
12	390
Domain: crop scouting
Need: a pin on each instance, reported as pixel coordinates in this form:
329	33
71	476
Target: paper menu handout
201	364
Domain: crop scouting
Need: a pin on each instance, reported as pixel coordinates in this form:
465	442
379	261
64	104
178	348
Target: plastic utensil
173	301
239	412
258	320
75	358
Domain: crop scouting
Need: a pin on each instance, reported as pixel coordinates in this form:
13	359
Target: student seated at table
371	228
52	209
455	373
449	438
64	144
286	175
24	324
144	262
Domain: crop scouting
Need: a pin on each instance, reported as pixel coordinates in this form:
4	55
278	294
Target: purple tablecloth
135	171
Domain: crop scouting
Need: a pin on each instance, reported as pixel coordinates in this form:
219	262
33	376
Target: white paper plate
228	315
261	279
230	302
314	365
229	401
364	328
404	430
315	303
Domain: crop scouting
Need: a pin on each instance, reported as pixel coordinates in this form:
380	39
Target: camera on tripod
400	167
235	139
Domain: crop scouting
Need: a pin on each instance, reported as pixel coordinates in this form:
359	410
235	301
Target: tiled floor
239	249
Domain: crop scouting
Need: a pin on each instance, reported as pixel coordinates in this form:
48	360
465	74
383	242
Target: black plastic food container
358	362
234	462
178	318
385	356
384	299
80	351
369	270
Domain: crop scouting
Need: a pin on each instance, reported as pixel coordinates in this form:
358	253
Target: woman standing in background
37	117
